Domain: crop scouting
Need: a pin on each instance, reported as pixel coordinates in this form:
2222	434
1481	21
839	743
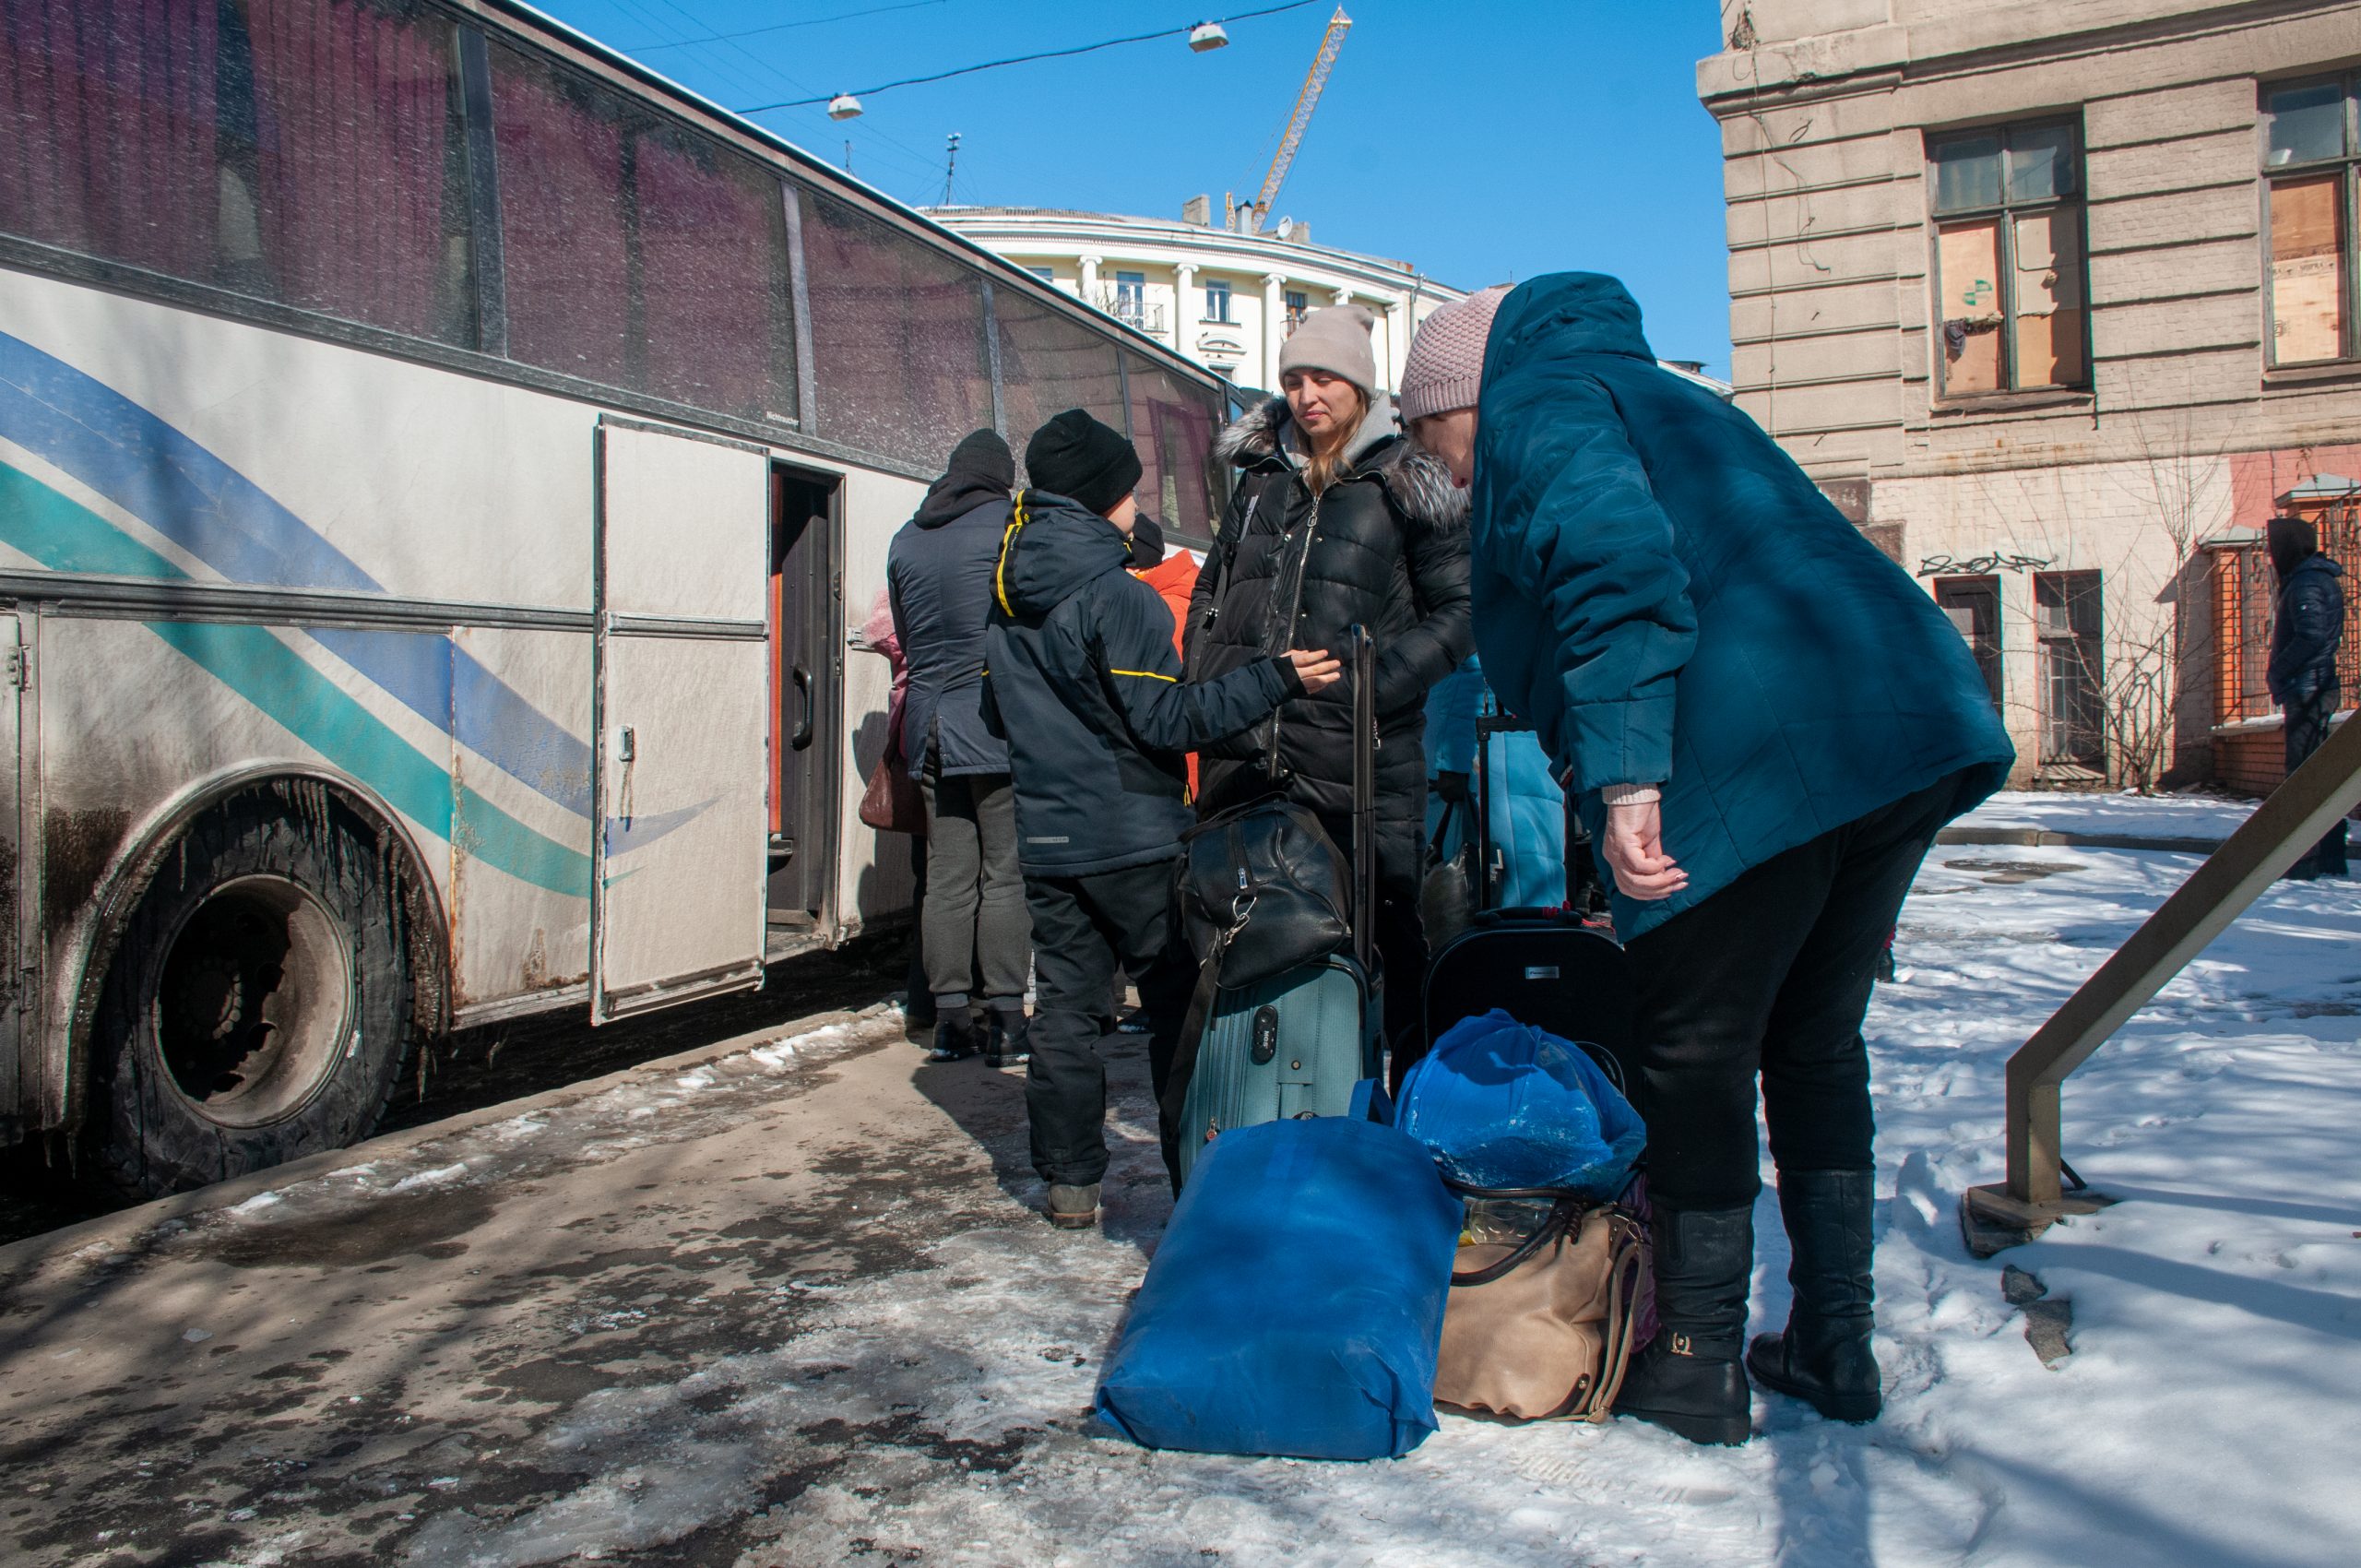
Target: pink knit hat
1445	368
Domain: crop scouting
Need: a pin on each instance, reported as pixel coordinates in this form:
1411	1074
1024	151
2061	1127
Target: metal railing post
2282	829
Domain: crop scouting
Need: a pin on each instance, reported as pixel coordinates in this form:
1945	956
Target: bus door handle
802	736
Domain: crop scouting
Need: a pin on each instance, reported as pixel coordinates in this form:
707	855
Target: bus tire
257	1005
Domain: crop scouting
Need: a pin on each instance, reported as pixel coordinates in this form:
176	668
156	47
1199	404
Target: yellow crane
1305	102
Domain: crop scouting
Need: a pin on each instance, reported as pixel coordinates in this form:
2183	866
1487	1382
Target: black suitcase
1297	1044
1552	969
1545	968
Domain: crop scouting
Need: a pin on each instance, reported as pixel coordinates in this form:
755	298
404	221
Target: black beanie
1078	457
1147	543
982	456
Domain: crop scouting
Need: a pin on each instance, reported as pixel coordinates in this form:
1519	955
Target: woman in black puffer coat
1338	520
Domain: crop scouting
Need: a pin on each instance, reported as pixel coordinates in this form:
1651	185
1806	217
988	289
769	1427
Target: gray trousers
974	922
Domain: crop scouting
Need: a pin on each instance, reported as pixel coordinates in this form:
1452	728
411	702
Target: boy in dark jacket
1083	682
2305	635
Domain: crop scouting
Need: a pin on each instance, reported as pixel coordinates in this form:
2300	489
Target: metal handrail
2287	824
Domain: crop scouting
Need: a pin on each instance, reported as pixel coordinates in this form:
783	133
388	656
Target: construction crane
1305	102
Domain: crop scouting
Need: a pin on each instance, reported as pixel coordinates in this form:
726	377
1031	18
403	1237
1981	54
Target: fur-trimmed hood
1264	437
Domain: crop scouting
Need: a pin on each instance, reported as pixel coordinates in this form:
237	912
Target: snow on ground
2207	1415
2213	817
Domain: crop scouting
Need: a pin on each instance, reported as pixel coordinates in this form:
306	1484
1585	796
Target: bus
439	462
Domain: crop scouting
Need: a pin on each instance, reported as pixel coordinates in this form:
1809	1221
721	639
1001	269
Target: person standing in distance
1764	722
2306	632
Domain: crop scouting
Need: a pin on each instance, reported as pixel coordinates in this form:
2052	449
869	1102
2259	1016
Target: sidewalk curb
2047	838
32	1252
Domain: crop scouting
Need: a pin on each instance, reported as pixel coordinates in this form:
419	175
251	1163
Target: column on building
1184	287
1090	278
1397	341
1274	327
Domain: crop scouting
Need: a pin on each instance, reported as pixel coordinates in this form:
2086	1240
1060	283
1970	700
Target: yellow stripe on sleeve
1146	674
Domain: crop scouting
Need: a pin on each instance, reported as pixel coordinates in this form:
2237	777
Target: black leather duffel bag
1262	889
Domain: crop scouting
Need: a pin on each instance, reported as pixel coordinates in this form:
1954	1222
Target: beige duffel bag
1541	1328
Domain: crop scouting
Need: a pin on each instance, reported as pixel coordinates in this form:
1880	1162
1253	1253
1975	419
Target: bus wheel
258	1007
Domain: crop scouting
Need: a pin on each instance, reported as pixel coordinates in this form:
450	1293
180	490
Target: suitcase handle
1363	652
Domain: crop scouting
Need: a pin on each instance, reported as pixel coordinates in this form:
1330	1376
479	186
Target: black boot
956	1035
1824	1357
1011	1039
1688	1379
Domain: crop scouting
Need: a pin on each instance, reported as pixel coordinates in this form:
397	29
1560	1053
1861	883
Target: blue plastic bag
1499	1104
1295	1305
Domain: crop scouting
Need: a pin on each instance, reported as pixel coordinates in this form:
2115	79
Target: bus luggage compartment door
684	660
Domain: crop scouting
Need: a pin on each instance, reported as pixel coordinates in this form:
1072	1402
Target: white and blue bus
438	460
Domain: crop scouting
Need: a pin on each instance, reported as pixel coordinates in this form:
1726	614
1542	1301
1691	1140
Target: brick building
2059	300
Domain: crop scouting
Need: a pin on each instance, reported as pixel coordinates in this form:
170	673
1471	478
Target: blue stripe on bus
64	536
191	496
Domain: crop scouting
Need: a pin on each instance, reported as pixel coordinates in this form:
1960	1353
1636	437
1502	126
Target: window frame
1228	298
2002	215
2346	166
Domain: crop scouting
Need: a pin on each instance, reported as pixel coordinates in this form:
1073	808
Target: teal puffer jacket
1669	600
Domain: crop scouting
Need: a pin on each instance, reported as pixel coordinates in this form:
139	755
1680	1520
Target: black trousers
1083	928
974	914
2306	727
1771	976
1399	935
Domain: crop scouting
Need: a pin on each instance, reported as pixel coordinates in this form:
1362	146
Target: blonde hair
1320	469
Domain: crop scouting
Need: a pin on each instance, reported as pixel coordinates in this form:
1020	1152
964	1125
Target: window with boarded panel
2009	272
2312	160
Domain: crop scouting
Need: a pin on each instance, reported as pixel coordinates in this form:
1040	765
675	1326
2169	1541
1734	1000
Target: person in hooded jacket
1764	721
2305	633
1338	521
1084	686
939	572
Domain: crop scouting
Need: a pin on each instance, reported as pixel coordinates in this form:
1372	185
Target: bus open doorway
806	701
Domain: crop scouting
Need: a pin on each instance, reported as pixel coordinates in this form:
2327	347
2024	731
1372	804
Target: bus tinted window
561	144
713	249
635	254
897	337
306	151
1050	363
107	130
357	165
1173	426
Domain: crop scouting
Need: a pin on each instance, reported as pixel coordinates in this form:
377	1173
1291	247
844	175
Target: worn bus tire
257	1006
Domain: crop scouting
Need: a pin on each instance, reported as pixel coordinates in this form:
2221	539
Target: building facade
2057	301
1225	298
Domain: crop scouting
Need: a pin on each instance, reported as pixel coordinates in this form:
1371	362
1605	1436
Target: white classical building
1225	298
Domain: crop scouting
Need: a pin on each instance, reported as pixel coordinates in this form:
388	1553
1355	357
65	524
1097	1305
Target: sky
1483	140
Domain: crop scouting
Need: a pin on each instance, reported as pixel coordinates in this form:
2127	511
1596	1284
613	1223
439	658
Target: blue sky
1482	139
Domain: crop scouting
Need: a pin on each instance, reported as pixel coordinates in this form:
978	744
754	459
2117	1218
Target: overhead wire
785	26
913	163
1027	59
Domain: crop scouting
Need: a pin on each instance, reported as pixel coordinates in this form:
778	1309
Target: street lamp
1208	35
844	106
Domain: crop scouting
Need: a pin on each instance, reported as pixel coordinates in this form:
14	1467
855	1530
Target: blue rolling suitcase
1296	1044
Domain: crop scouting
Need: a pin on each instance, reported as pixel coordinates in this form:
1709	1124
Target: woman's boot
1824	1358
1688	1379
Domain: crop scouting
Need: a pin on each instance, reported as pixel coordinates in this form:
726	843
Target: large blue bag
1295	1306
1501	1104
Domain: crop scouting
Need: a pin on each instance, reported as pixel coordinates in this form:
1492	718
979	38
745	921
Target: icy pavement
2211	818
788	1307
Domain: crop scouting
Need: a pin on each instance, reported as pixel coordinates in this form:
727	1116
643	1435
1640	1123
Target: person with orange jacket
1174	578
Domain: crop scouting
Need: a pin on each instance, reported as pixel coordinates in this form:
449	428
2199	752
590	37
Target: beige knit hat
1445	368
1335	339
